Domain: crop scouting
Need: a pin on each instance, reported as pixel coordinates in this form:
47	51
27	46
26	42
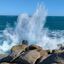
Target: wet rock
16	50
43	53
33	47
7	63
57	58
38	48
6	59
3	55
31	55
25	42
58	63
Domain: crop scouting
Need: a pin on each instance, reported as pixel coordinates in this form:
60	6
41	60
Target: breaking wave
31	28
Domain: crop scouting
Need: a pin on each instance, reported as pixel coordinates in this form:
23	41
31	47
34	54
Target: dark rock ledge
33	54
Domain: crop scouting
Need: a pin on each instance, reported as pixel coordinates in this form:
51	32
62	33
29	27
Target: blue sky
15	7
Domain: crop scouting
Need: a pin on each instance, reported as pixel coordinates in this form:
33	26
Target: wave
32	29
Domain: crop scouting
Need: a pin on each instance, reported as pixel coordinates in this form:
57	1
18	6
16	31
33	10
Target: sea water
40	29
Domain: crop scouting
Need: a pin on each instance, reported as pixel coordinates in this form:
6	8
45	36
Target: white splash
10	39
31	28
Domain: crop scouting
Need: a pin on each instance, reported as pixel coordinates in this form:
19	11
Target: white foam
32	29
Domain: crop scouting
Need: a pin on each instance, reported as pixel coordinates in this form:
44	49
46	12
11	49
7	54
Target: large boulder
31	55
57	58
25	54
16	50
38	48
43	53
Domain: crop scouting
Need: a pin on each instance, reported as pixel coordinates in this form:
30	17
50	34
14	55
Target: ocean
52	22
40	29
55	22
5	20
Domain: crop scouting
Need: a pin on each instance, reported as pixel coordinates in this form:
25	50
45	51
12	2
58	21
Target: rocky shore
32	54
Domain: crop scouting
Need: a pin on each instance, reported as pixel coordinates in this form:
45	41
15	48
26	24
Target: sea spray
50	40
31	28
27	28
10	39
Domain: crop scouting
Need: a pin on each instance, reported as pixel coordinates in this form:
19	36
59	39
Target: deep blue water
55	22
4	20
52	22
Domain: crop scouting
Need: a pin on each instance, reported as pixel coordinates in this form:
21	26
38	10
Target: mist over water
31	29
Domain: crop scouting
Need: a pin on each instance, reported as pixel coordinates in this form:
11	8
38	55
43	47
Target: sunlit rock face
30	54
17	50
33	54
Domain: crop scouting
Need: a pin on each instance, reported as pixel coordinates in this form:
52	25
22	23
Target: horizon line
30	15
